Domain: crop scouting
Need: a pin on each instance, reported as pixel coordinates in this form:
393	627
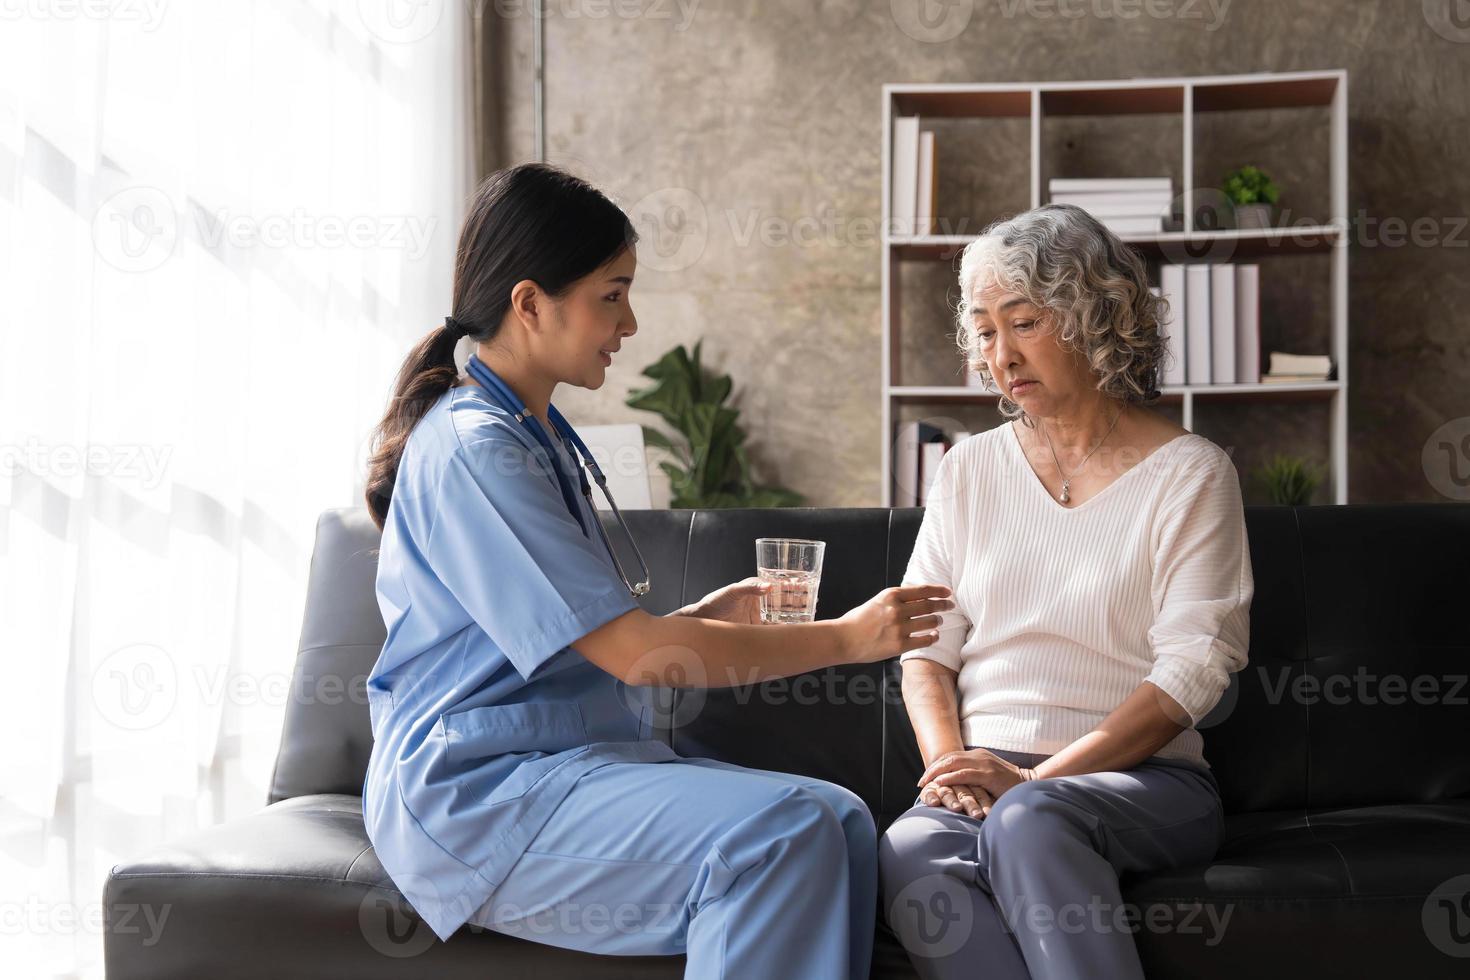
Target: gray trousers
1032	889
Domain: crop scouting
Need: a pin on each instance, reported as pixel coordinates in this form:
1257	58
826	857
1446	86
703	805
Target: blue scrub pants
1032	889
748	873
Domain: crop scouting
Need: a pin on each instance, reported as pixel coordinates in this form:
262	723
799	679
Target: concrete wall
759	122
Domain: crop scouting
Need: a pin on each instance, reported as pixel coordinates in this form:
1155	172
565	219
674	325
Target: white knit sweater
1062	612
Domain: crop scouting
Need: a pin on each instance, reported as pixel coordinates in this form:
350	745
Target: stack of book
1126	205
916	455
914	177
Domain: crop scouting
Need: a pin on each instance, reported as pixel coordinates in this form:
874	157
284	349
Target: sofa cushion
1388	686
1349	886
295	892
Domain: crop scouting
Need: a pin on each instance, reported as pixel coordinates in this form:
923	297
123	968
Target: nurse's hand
894	621
736	603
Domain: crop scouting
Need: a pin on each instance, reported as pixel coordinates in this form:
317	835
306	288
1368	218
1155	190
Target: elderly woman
1102	580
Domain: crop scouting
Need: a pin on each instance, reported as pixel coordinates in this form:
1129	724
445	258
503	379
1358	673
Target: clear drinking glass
793	566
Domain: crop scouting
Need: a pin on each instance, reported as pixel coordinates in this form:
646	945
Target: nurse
515	782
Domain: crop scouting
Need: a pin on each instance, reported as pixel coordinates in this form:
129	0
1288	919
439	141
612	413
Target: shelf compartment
1243	242
1087	101
961	101
1309	89
1304	390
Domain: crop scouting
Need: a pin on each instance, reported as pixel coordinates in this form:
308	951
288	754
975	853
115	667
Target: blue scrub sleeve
507	548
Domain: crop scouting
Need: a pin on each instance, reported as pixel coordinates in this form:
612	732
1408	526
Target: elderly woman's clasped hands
970	781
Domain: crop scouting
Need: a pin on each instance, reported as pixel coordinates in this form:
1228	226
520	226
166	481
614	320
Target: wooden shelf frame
1185	96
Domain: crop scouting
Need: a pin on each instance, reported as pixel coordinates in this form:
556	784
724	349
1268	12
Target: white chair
618	450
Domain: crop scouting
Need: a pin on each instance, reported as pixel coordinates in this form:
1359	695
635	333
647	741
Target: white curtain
222	224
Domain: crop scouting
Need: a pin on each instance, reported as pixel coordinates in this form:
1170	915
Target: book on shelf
1197	307
1104	185
1248	323
915	176
1222	323
1171	285
905	200
924	215
1109	208
1282	363
1297	368
1132	226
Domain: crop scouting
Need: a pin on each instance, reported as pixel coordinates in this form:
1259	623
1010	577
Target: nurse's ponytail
529	222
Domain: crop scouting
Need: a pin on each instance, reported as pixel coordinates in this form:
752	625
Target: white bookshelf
1181	96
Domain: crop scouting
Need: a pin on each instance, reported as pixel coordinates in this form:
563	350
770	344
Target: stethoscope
501	393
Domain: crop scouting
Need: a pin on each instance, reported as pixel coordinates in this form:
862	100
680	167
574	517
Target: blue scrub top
483	716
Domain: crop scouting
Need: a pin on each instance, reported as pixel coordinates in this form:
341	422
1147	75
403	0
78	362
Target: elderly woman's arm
931	695
1133	731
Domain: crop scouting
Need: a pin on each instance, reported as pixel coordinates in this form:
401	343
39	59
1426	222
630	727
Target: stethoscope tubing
500	392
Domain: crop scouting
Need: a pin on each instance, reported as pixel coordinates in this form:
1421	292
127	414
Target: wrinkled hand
970	781
739	602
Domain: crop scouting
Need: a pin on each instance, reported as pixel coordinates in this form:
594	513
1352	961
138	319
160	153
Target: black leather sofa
1347	792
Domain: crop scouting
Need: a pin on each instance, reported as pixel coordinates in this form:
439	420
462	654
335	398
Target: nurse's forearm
683	651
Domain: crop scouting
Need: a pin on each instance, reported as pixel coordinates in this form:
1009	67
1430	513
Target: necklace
1066	495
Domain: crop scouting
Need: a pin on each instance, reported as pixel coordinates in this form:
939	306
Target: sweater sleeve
1202	587
934	562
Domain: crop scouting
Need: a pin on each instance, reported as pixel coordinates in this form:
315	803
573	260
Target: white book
1197	324
1133	198
1132	226
1222	323
925	206
1248	323
1319	364
1153	208
930	453
1276	379
1171	280
1068	185
905	174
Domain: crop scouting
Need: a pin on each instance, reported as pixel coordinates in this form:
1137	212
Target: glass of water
793	566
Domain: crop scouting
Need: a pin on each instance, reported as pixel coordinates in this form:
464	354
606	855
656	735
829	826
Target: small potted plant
1252	193
1289	480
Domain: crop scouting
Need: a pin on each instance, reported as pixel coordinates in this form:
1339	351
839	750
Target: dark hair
528	222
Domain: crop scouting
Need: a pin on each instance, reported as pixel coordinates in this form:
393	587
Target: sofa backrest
1355	692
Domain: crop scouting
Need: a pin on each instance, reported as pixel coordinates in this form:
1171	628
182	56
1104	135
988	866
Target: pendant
1065	496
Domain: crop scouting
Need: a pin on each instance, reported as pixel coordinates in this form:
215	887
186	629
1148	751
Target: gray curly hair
1063	260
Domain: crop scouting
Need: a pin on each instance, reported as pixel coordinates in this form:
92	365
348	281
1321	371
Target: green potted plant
1289	480
710	468
1252	193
